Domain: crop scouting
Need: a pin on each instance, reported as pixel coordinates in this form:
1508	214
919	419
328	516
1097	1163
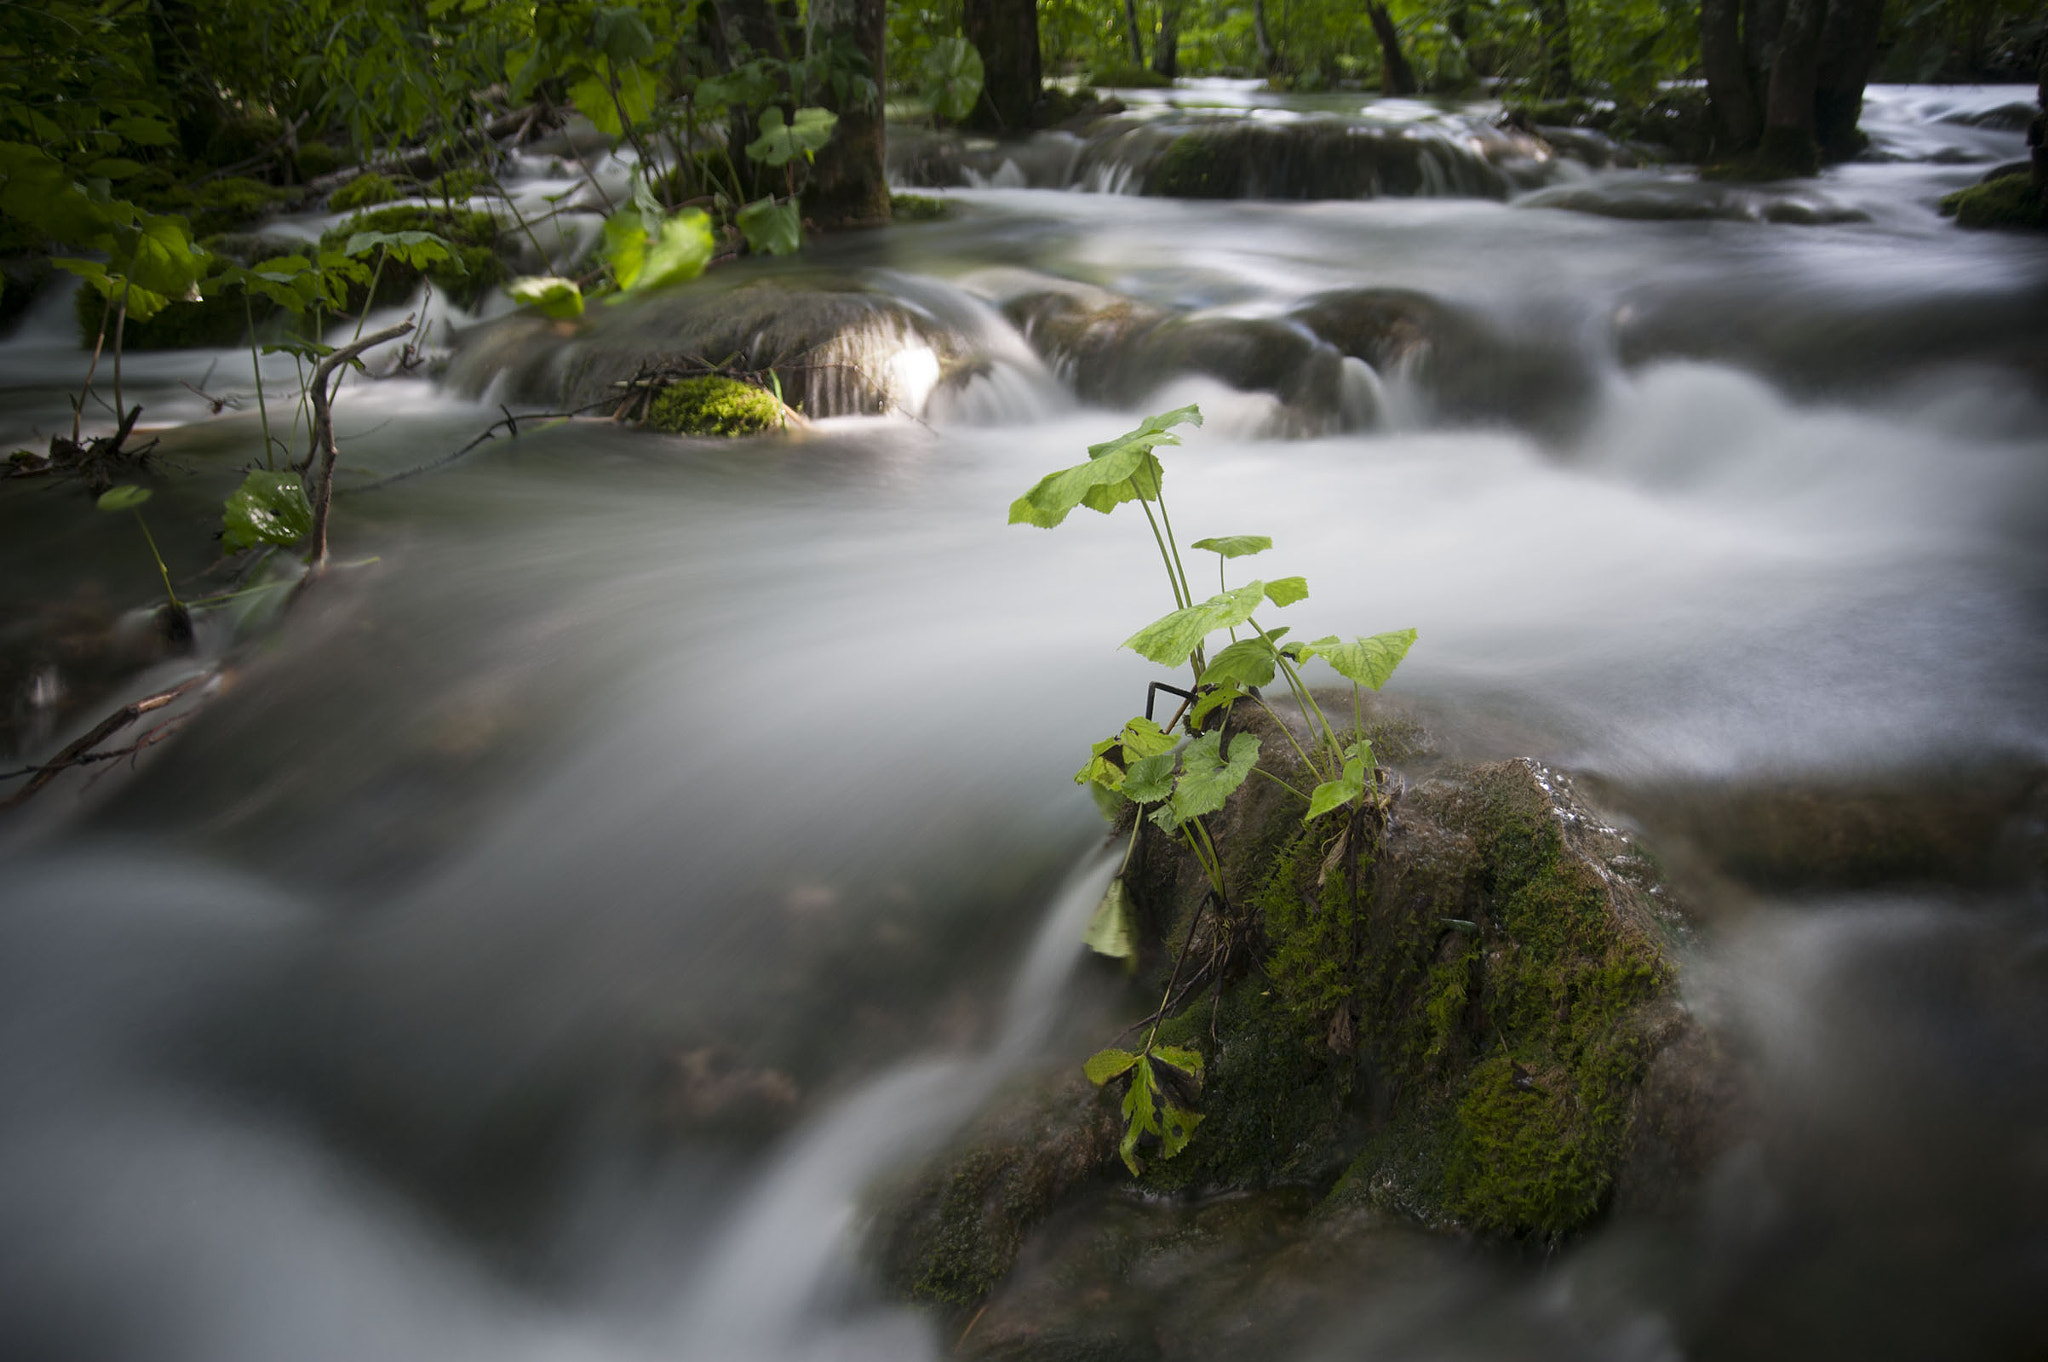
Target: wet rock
1467	367
1469	1023
1824	835
1684	200
1312	158
2006	202
835	346
1117	351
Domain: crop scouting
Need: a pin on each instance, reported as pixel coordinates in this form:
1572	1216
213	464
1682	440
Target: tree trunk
1848	51
1555	19
1761	20
1396	76
1788	145
1005	33
1730	93
1137	37
1265	39
849	185
1166	43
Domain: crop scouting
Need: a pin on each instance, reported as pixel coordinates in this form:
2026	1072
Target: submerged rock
835	346
1470	1023
1685	200
1117	351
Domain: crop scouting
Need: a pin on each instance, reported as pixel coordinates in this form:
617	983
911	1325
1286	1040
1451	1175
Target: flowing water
625	863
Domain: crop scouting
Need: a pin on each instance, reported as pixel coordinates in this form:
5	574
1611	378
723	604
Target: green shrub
318	158
1128	78
213	323
473	272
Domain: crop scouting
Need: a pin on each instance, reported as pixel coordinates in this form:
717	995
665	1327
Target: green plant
953	76
129	497
366	190
1147	766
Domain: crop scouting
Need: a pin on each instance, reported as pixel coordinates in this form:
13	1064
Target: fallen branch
79	752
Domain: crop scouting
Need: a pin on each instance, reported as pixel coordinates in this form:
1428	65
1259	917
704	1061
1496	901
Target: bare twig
78	752
322	443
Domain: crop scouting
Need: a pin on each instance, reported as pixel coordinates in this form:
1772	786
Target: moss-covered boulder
2009	202
836	345
366	190
1464	1018
476	267
715	405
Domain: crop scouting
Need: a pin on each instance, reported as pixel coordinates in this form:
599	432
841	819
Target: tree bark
1135	34
1005	33
1848	53
1166	42
1396	76
1265	39
1555	20
1788	145
1731	95
849	184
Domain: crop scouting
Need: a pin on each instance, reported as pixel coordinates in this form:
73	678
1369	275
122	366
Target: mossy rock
315	159
918	208
463	182
2011	202
1194	168
219	205
1128	78
366	190
476	268
715	405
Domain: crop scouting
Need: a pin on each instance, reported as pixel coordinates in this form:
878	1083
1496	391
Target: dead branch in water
81	752
322	444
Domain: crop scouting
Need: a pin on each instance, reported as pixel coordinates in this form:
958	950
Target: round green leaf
123	498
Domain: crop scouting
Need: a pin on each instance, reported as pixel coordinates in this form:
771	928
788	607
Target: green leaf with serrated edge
1285	591
1235	545
1211	701
1180	1057
1100	770
268	508
771	228
125	497
1335	794
1149	779
415	248
1247	662
1143	738
1368	661
1169	639
1109	930
681	252
1208	775
561	299
593	99
1048	503
1362	749
1152	431
1104	1065
780	142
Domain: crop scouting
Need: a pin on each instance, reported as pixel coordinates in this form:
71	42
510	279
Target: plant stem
106	314
256	366
370	298
165	572
1174	544
1180	599
1262	771
120	330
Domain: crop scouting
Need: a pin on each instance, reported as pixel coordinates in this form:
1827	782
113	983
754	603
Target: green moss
965	1257
918	208
223	205
1311	919
2009	202
1128	78
1194	168
474	270
713	405
366	190
318	158
1274	1101
461	183
242	138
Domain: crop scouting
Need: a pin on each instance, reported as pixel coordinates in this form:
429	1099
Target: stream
641	848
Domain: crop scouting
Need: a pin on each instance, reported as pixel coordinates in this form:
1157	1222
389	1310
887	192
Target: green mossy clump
366	190
315	159
1128	78
715	405
1192	168
918	208
463	182
2010	202
476	267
